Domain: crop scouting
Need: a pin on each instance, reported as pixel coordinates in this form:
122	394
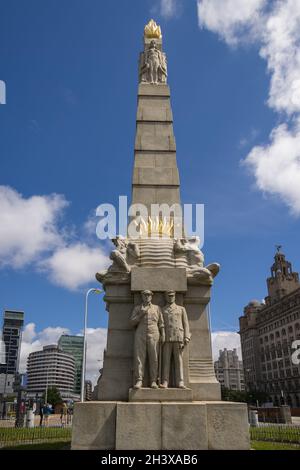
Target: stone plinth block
161	426
227	425
158	280
161	395
138	426
184	426
94	425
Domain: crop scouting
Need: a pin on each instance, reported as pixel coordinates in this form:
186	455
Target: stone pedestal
168	394
160	426
121	297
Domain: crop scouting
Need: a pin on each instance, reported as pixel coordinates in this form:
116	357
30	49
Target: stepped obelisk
140	405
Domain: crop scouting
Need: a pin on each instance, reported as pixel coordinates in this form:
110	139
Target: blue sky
68	127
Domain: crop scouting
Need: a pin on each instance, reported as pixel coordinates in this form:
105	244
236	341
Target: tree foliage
53	396
251	397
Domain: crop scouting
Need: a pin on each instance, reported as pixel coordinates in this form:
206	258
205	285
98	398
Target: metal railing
19	436
275	433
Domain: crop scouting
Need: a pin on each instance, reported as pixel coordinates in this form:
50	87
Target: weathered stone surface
156	176
151	110
160	395
184	426
138	426
120	342
153	160
227	426
94	426
148	195
207	389
116	379
158	280
155	141
161	426
146	89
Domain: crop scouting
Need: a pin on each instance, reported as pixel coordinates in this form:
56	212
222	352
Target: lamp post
96	291
46	392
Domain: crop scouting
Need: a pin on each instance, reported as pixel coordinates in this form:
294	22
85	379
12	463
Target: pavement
52	421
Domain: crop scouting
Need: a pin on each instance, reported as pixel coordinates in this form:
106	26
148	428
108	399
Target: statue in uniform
148	320
177	335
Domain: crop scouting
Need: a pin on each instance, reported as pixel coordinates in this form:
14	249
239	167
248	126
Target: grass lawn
265	445
61	445
286	434
13	437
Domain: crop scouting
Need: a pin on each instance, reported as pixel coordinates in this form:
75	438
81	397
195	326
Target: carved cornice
114	299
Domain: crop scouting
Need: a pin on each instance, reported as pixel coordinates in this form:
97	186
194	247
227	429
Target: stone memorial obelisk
158	388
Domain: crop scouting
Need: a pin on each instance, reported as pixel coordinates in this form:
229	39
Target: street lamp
96	291
46	393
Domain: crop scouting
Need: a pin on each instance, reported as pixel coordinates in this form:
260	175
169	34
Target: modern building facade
48	368
74	345
229	370
88	390
268	330
13	322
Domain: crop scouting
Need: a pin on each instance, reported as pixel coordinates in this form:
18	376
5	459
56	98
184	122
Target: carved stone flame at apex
152	30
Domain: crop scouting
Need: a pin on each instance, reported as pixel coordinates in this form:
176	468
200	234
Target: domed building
268	330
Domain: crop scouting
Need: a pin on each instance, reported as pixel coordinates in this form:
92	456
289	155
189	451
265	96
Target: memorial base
161	395
160	426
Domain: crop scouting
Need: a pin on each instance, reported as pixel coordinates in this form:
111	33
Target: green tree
53	396
251	397
233	395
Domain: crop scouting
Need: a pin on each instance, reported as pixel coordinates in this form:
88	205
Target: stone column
202	379
116	377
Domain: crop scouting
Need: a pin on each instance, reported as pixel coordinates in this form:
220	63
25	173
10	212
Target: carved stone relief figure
123	257
195	259
148	321
153	65
177	336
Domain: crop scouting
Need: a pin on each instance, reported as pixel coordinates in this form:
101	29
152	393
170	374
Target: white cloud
225	339
30	234
96	343
34	341
75	265
28	227
276	166
281	49
231	19
168	8
275	26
